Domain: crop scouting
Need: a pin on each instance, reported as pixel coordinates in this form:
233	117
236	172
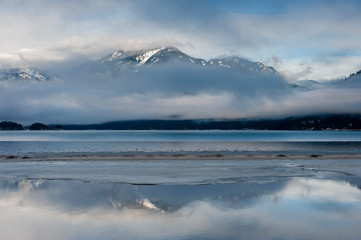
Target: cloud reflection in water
298	209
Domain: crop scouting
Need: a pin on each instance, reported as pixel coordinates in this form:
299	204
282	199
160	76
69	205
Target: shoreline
180	169
169	156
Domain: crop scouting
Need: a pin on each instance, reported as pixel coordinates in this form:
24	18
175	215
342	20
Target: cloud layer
162	91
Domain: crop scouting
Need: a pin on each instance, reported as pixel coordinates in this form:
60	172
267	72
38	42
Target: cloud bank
163	91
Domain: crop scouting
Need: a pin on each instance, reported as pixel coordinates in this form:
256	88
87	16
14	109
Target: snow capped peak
143	58
133	61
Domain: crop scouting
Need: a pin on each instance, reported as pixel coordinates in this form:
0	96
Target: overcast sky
308	39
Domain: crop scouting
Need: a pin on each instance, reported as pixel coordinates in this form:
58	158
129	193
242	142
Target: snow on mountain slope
23	74
241	65
134	60
137	57
143	58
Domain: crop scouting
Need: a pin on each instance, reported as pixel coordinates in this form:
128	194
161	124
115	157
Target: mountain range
121	61
135	60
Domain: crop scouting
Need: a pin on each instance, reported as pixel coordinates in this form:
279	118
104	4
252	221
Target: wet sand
170	156
179	168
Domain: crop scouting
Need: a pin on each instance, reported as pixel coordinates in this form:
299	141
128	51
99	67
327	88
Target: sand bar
179	168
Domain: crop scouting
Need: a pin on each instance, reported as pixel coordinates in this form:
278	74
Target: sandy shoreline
170	156
179	168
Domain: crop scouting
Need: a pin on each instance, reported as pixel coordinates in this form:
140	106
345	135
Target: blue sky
307	39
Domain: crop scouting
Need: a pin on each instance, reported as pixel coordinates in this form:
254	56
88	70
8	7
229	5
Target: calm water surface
13	142
296	208
181	136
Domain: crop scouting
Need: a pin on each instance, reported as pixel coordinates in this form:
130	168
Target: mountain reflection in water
300	208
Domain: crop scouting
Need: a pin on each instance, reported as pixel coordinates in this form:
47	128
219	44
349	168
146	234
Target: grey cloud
304	71
274	62
159	92
211	26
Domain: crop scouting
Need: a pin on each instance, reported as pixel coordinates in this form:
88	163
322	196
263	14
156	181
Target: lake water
246	142
277	198
297	208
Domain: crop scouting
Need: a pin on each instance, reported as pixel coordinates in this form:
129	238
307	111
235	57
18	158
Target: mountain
354	78
241	65
149	57
352	81
24	74
122	61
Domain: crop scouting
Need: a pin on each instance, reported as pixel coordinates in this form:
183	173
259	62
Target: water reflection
300	208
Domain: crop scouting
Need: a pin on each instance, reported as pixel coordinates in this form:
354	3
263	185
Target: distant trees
8	125
38	126
316	122
4	125
58	127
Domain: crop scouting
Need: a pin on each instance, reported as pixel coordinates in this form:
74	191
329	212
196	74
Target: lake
180	185
297	208
245	142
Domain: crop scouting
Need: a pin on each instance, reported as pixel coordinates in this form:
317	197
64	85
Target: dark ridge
323	122
353	74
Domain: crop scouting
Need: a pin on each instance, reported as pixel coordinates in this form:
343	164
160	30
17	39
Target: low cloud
303	72
159	92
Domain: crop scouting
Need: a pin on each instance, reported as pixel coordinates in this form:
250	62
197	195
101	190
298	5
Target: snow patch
223	65
148	204
115	56
145	56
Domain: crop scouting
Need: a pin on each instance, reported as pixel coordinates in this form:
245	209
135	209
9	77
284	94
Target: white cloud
320	68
